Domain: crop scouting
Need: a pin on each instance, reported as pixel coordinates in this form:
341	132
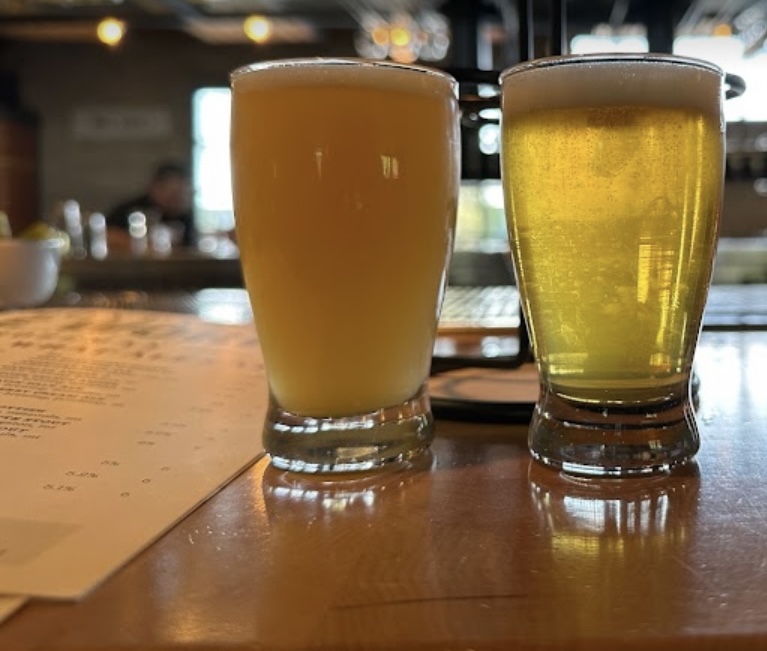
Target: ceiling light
722	29
257	28
403	37
110	31
380	36
400	36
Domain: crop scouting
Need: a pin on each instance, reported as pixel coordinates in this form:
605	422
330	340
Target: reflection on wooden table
474	547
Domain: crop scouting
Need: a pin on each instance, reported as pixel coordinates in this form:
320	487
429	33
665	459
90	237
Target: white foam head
609	80
352	72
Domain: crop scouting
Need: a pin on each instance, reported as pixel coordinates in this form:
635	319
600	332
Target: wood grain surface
474	547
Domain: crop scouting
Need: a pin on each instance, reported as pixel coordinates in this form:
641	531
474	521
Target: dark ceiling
326	9
66	19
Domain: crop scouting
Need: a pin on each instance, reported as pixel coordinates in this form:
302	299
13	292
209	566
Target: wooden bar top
475	547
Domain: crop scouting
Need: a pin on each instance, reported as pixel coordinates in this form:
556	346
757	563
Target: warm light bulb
722	29
402	55
110	31
400	36
257	28
380	36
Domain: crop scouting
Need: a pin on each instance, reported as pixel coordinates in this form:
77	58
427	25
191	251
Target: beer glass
345	177
613	167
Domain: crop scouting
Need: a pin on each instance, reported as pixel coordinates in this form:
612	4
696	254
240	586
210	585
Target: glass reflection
329	495
336	545
573	508
618	547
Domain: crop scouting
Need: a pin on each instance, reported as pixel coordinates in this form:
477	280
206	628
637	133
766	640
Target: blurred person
167	200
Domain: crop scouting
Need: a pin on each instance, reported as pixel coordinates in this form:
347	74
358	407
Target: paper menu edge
232	454
73	591
97	583
9	604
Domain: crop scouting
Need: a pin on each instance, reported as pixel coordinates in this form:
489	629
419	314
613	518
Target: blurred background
95	93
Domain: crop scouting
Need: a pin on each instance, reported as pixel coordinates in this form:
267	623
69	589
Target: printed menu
113	425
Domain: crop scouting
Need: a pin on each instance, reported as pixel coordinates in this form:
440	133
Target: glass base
615	440
350	443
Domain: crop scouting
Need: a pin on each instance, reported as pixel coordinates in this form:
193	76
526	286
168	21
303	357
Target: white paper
114	425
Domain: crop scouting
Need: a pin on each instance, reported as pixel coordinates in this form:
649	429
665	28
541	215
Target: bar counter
472	547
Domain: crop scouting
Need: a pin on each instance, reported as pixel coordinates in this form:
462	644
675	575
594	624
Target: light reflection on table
474	547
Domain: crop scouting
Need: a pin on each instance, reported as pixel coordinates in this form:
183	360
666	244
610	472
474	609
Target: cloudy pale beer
345	179
613	173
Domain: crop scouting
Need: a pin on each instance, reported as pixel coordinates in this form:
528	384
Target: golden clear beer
613	169
345	180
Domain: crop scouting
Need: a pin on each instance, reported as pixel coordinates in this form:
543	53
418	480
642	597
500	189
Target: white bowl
29	271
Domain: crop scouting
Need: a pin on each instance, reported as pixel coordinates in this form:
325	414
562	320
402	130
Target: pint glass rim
308	62
610	57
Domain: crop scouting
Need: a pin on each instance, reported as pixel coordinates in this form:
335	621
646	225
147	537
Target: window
480	206
481	223
211	165
728	52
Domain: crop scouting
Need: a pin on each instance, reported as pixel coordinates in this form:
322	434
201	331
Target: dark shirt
118	217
